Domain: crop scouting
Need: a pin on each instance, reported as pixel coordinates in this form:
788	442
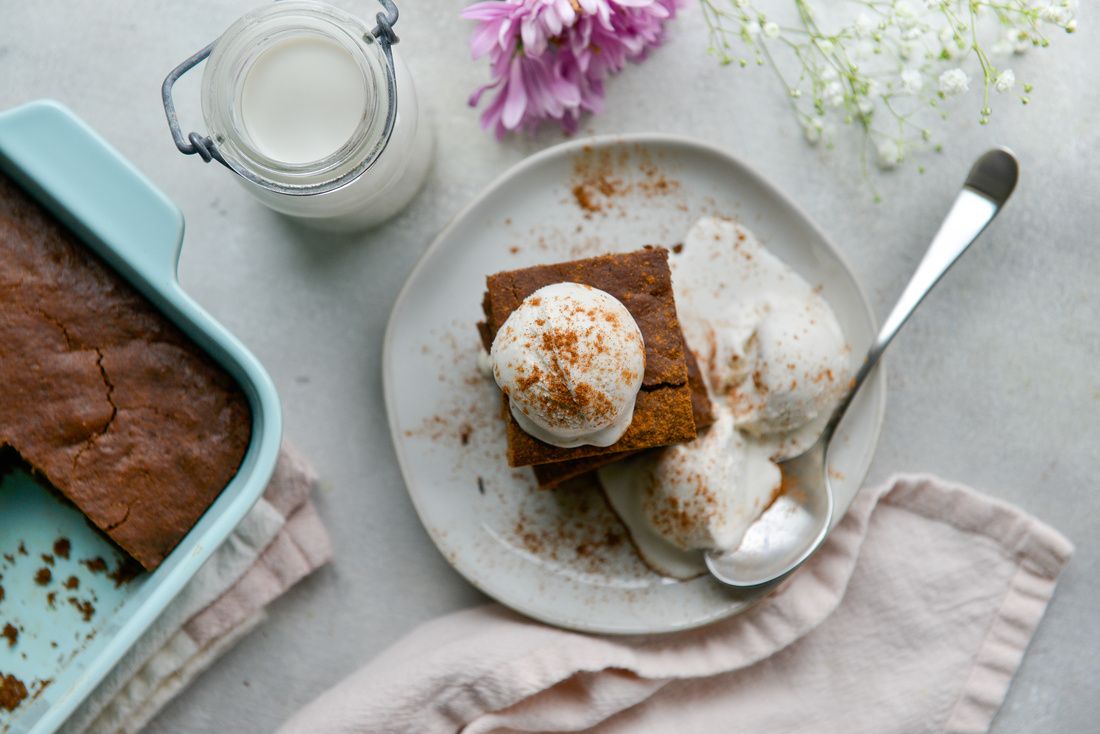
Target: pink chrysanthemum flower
549	58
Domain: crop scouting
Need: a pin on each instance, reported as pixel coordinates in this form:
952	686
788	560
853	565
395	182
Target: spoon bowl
788	532
797	523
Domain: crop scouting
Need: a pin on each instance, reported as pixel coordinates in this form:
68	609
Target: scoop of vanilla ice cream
571	360
797	363
770	345
706	493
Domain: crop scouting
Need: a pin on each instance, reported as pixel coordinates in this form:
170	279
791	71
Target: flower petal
491	10
565	11
482	41
475	98
516	98
529	34
564	90
506	34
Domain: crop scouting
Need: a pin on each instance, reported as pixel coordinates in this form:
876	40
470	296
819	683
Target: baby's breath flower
954	81
1006	80
912	81
865	25
1020	40
1054	14
890	153
813	129
891	68
905	14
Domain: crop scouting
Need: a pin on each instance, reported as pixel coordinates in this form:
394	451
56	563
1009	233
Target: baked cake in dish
102	396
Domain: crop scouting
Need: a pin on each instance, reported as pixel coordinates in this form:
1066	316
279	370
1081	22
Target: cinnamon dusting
603	179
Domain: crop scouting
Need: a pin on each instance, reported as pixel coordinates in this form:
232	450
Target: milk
385	188
302	99
302	102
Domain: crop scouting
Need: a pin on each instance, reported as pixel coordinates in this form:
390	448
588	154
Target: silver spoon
790	532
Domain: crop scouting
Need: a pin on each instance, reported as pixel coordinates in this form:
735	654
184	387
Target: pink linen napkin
913	618
278	543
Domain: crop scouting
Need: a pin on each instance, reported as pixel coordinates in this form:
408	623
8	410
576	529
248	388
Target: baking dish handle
70	169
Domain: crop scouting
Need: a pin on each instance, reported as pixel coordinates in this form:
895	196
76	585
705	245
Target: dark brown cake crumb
62	547
41	686
23	549
84	607
72	583
95	565
43	576
47	559
11	634
126	570
51	599
12	692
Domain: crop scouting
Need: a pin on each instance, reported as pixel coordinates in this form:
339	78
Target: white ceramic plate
560	556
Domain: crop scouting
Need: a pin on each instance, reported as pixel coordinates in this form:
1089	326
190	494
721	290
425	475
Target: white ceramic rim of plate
533	161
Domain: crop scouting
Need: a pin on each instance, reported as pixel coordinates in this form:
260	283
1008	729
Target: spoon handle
989	184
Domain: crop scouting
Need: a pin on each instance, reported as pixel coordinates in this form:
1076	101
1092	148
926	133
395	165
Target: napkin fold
913	617
280	541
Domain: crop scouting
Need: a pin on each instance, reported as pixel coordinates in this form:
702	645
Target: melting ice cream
775	360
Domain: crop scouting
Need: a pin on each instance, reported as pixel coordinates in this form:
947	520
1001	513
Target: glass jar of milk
315	112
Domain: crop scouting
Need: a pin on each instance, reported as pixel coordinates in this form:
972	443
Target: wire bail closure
203	146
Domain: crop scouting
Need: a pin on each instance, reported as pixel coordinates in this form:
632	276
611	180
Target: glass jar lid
231	58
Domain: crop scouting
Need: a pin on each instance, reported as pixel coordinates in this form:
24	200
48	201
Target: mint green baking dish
61	656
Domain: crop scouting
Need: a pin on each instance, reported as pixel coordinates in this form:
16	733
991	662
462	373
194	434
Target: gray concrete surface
994	384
